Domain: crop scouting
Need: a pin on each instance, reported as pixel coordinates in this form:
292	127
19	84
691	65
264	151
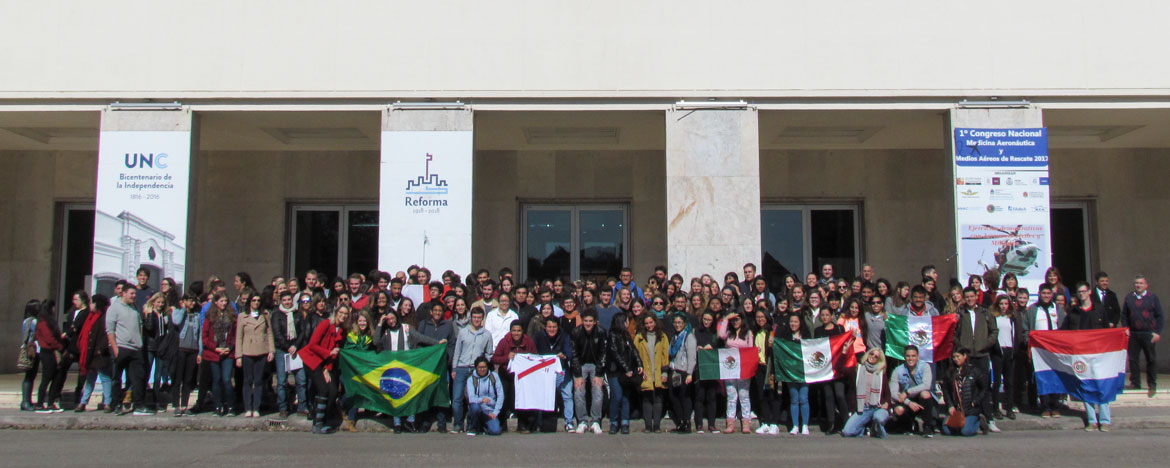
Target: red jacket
325	338
208	336
507	345
47	339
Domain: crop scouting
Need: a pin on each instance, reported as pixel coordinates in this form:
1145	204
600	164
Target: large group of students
628	350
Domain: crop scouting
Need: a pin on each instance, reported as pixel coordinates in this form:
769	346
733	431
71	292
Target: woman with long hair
872	400
406	312
360	337
28	338
765	393
185	321
1003	357
883	287
624	372
1010	285
833	391
811	313
798	297
760	290
380	305
736	334
253	350
706	391
219	339
654	351
1052	277
320	357
95	358
898	303
798	408
683	359
49	340
954	301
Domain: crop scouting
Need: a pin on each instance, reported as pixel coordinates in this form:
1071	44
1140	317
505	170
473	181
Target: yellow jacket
653	378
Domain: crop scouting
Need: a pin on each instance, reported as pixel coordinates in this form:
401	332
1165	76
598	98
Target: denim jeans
91	378
282	385
855	425
565	384
970	427
1098	414
588	373
459	394
619	404
221	383
478	417
798	408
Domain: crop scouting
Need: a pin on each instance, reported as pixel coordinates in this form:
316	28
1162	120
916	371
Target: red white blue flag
1089	365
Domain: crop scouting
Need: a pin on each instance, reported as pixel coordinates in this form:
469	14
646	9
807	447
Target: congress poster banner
1002	203
143	186
425	201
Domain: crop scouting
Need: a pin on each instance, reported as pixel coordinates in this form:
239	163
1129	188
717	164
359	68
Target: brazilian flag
396	383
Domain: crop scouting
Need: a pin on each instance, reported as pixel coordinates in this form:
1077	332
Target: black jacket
971	384
71	326
621	357
1111	307
280	330
1077	319
99	346
588	348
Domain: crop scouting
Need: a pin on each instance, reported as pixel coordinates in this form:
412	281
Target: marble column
712	191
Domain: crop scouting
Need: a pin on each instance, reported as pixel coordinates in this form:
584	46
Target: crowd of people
628	350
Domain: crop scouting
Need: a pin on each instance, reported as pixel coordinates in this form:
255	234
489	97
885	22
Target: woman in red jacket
320	356
219	340
515	343
48	337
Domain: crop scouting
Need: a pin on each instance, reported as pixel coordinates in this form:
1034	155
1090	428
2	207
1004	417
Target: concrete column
144	191
427	160
712	191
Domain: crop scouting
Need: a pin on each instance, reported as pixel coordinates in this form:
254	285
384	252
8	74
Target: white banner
1001	200
141	209
425	201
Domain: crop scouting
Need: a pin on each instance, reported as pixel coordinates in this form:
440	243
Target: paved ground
264	449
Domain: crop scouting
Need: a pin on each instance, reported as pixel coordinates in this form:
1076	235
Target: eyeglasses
306	301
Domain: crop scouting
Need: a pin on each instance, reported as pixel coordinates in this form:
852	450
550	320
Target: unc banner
425	200
1001	201
143	184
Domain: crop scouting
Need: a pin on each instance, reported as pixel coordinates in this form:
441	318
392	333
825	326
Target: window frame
806	210
343	210
574	210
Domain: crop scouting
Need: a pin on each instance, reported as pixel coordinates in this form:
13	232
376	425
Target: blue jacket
560	344
489	387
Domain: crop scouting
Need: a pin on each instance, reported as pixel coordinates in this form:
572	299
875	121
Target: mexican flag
812	360
728	363
396	383
934	336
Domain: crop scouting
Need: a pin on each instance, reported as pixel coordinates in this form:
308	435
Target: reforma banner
425	201
141	209
1001	202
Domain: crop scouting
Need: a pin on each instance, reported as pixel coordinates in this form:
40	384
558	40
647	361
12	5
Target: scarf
83	345
869	385
679	340
290	317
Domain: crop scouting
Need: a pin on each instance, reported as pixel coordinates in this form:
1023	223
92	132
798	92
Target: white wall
540	48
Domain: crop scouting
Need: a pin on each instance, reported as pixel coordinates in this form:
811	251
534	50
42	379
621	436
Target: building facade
604	134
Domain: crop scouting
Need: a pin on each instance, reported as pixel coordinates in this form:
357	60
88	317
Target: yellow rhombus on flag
397	388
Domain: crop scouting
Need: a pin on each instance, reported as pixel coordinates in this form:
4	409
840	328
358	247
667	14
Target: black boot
319	426
26	396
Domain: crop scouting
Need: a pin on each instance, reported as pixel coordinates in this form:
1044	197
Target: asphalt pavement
1121	448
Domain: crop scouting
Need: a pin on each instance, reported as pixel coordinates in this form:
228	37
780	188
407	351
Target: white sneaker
803	430
752	415
992	427
580	428
795	430
763	429
774	430
597	428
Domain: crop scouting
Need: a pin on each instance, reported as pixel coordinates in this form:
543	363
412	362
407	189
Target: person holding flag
736	335
320	357
833	390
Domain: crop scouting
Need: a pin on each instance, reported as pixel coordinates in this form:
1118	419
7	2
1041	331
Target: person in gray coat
683	359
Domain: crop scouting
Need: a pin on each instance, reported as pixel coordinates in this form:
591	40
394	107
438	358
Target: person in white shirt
499	320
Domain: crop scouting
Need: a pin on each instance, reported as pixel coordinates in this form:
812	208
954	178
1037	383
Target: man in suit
1107	299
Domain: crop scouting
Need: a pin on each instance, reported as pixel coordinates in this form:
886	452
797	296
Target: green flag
396	383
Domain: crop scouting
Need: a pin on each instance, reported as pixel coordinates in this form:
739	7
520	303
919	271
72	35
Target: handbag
957	419
24	360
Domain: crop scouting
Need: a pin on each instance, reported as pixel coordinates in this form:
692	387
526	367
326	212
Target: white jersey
536	381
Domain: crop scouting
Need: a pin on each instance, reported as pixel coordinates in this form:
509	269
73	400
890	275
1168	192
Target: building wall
242	199
604	48
29	191
905	196
504	179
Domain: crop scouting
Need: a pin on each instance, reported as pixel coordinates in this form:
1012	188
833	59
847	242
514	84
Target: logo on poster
145	160
427	190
